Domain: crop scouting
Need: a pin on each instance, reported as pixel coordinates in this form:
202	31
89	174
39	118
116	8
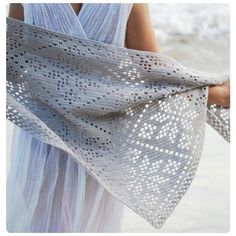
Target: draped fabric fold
134	119
77	202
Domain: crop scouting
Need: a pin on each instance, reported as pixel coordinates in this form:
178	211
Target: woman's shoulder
16	11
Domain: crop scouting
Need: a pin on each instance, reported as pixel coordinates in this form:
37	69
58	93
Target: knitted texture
134	119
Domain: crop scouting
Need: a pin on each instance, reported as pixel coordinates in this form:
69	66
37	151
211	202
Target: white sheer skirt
47	191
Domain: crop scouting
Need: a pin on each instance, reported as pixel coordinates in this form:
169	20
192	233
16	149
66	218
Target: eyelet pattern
135	120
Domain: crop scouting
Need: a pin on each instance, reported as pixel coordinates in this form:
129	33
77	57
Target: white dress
46	190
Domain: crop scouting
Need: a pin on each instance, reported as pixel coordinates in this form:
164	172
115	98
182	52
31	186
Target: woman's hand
220	94
140	35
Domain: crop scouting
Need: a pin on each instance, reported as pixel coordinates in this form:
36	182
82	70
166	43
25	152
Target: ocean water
197	35
201	21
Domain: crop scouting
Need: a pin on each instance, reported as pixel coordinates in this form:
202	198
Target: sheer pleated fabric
47	191
134	119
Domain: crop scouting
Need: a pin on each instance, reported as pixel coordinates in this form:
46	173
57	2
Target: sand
206	205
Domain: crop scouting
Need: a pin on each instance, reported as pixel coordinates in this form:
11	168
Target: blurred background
197	35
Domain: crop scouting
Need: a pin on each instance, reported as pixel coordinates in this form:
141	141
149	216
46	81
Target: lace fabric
134	119
47	191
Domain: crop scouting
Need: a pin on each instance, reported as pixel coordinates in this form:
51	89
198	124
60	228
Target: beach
198	37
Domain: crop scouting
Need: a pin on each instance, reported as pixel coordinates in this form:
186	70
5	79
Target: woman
60	200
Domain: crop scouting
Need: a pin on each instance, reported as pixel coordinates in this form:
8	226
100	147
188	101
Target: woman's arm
16	11
140	36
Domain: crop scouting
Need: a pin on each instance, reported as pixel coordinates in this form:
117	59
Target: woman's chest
98	21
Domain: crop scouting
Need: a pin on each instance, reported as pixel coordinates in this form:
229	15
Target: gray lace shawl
134	119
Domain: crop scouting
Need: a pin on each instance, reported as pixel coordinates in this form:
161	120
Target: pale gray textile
47	190
134	119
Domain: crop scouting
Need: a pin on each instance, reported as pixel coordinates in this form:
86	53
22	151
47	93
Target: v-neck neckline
80	11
